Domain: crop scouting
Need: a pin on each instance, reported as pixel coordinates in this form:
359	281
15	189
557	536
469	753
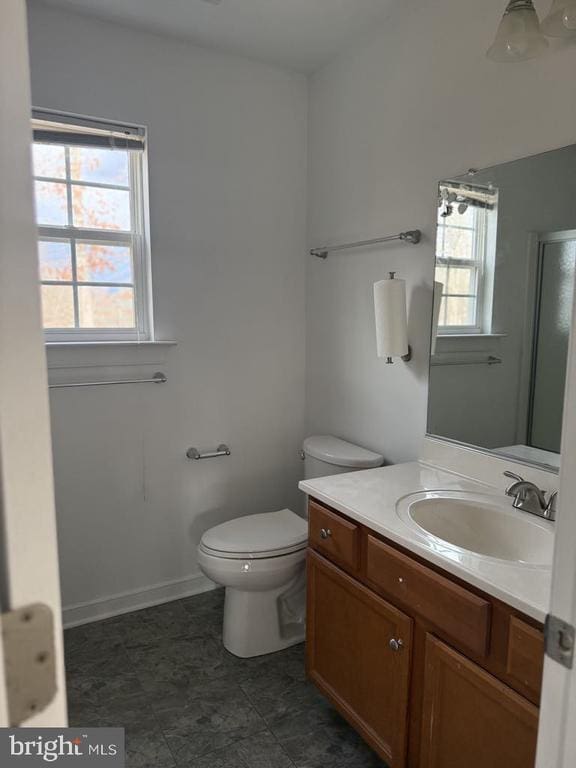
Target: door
553	319
557	734
28	550
350	658
470	718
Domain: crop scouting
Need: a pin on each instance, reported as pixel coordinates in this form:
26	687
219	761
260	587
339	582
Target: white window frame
138	238
478	263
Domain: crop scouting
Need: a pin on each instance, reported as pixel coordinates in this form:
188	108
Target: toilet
260	559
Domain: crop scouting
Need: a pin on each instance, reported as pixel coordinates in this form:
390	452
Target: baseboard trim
126	602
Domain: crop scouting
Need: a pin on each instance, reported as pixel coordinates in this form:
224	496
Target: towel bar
194	453
158	378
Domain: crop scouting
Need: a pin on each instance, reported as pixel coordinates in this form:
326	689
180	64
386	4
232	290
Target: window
465	215
90	211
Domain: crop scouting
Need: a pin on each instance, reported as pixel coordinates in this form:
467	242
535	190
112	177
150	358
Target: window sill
106	344
62	355
468	348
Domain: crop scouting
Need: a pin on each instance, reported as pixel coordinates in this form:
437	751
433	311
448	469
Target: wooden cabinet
358	654
460	682
470	718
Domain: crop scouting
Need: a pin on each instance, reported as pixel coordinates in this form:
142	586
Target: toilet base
257	623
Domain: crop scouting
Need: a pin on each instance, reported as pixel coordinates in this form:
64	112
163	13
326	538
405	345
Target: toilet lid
332	450
265	535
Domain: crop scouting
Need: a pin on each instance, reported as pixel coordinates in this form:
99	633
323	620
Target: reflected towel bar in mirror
158	378
489	360
412	236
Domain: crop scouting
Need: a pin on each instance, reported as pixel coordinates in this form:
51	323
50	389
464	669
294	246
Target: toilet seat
271	534
251	555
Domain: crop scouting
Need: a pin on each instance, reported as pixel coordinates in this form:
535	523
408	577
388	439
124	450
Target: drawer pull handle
325	533
396	645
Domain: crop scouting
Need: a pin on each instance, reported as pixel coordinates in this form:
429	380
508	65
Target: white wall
227	158
417	102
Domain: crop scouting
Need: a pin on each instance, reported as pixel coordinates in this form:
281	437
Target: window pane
439	240
441	276
51	203
95	208
55	260
461	280
102	307
465	219
49	160
105	166
458	244
97	262
459	311
58	306
442	315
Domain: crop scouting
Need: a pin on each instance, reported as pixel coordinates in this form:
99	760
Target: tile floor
163	674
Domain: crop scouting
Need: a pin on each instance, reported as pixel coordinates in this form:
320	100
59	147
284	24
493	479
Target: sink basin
479	523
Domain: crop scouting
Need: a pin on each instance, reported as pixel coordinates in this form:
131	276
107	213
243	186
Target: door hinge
29	660
559	640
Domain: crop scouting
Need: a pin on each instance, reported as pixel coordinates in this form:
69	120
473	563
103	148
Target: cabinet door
470	718
351	659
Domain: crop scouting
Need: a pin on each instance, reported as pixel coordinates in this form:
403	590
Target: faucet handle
550	511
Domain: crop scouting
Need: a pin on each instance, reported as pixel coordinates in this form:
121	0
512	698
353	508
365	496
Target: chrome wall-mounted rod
194	453
489	360
412	236
158	378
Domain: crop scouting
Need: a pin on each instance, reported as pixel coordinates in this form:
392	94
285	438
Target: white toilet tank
328	455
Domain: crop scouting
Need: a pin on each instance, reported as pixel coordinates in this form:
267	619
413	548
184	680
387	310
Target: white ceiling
299	34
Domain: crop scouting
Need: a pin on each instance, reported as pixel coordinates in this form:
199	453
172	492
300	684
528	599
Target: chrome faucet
529	498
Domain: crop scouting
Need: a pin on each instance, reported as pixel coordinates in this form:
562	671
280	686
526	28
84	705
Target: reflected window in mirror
465	245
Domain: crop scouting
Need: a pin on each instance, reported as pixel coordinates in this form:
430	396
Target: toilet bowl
260	560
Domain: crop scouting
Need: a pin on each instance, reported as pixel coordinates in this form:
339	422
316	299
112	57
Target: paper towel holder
391	320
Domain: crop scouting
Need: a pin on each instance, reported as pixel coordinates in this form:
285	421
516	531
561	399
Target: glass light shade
561	20
518	37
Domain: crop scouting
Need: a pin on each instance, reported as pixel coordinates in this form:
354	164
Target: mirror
503	293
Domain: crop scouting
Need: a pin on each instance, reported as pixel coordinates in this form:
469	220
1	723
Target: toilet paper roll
390	316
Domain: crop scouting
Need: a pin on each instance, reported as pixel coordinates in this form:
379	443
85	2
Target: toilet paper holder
194	453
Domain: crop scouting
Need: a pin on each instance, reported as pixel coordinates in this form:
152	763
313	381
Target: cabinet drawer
461	615
525	658
335	537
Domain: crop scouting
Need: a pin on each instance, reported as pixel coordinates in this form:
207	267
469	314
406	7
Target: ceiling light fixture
519	36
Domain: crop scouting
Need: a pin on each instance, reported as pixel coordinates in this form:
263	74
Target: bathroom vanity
433	654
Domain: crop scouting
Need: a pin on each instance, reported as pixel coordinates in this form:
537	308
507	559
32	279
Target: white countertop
370	497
